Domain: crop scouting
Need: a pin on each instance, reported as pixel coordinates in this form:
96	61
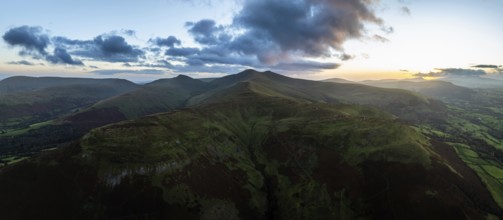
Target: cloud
276	33
453	72
380	38
311	27
128	32
117	71
462	72
111	45
63	41
486	66
345	57
61	56
171	41
268	34
182	52
106	47
34	42
21	62
305	65
405	10
207	32
31	39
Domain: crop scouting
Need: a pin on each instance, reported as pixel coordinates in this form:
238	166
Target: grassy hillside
250	155
406	105
26	84
170	94
431	88
44	99
159	96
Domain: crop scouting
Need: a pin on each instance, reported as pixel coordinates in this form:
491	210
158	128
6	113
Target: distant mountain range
253	145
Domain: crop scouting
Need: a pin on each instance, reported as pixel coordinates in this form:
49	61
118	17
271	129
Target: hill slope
433	88
250	155
26	84
32	100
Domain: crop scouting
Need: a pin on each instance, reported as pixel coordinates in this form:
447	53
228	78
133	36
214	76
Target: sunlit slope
432	88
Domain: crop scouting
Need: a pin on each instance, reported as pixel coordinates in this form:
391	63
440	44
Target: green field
24	130
488	170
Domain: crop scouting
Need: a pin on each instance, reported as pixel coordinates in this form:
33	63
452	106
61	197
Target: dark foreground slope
249	155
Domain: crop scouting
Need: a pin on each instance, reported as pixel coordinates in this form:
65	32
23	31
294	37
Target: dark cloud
171	41
486	66
111	45
182	52
34	42
61	56
405	10
267	34
110	48
116	71
207	32
380	38
21	62
462	72
310	27
63	41
388	30
345	57
453	72
156	64
106	47
305	65
31	39
277	33
128	32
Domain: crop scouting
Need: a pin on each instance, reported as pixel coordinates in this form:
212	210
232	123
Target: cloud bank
290	35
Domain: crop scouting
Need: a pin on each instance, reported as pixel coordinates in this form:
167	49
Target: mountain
339	80
159	96
404	104
257	145
28	100
26	84
431	88
182	91
244	150
474	81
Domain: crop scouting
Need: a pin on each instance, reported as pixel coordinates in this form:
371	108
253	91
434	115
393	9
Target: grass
14	159
493	185
494	171
235	134
24	130
486	169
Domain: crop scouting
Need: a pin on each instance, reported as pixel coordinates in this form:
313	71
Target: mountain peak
255	72
181	76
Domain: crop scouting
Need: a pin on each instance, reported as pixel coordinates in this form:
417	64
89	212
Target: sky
313	39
